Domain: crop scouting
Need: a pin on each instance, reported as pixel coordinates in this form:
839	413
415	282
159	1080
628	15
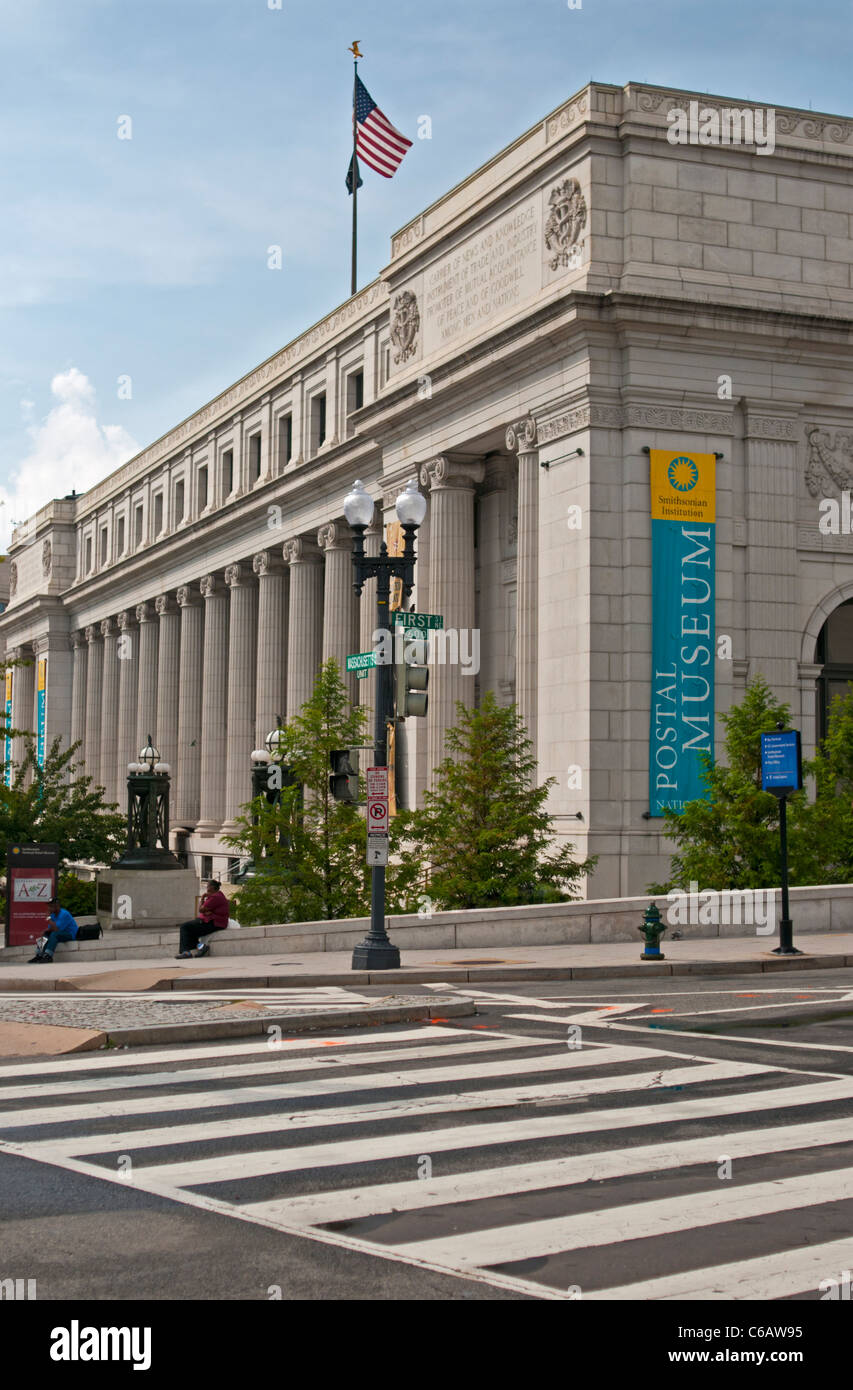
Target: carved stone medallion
405	322
566	220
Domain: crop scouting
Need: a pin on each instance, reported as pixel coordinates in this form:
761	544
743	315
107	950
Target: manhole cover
481	961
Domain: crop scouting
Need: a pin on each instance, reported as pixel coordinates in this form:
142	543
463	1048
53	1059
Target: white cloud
69	449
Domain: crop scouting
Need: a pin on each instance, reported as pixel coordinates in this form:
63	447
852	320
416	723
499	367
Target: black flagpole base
375	955
786	945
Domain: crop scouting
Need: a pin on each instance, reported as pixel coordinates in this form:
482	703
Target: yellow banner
683	486
42	673
8	685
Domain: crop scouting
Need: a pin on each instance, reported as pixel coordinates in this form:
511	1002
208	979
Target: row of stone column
206	669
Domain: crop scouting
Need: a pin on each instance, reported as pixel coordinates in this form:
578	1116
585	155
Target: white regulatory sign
377	802
377	850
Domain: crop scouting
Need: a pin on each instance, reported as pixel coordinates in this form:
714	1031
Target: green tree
310	850
828	822
484	832
731	840
53	804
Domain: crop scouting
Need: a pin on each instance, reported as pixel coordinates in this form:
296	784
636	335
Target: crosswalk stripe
332	1060
404	1107
97	1063
517	1066
634	1221
793	1271
381	1198
350	1151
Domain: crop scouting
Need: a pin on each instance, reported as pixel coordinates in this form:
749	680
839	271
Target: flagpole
354	176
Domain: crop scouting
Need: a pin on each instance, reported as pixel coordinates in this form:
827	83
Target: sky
134	272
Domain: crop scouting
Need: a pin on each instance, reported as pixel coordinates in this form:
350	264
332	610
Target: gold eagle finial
354	49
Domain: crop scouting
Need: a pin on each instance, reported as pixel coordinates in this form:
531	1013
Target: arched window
835	651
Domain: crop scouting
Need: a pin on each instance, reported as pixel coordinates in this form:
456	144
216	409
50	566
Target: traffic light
412	677
343	783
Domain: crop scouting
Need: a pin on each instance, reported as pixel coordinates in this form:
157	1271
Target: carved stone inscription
484	278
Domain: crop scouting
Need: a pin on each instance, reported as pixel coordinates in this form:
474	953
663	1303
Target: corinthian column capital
264	562
299	550
164	603
334	536
521	436
108	627
443	472
144	613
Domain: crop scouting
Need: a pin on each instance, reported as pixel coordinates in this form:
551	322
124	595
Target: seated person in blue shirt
63	928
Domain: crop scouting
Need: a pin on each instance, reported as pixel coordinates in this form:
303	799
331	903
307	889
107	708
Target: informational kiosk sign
31	877
781	763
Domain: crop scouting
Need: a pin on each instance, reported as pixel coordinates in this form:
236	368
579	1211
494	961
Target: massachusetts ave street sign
361	662
424	621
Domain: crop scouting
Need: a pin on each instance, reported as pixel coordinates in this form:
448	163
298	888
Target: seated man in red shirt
212	916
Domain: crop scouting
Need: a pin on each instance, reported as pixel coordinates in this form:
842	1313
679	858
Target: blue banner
41	709
7	742
683	631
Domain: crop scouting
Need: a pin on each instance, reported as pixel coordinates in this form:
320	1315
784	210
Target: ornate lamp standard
148	814
376	952
270	775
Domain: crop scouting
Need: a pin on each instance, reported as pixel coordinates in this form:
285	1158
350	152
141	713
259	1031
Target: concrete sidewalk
606	960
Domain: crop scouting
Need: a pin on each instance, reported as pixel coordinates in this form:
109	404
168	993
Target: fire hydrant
653	929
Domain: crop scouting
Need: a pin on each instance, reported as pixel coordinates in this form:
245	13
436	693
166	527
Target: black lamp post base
786	945
375	955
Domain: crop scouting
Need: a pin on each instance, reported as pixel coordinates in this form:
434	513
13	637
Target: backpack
90	933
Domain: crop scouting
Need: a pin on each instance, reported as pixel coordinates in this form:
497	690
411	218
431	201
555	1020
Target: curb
766	965
289	1023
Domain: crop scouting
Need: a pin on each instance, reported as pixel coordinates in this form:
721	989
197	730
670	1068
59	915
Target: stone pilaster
80	657
94	690
270	693
771	453
168	681
242	665
339	602
305	623
23	699
451	591
214	705
146	710
127	651
112	776
521	437
186	810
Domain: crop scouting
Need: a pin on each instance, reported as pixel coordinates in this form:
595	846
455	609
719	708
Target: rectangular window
137	525
318	422
88	554
202	488
255	457
207	867
104	545
355	392
386	364
120	536
227	472
158	513
179	502
285	440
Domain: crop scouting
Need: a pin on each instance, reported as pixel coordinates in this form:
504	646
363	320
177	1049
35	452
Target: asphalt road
565	1143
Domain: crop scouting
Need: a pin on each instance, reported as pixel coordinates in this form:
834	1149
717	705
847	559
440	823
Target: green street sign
361	675
361	662
423	621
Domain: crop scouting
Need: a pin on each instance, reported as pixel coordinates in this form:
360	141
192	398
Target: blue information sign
781	766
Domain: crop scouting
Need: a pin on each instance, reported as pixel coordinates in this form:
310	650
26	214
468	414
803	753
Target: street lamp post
148	814
376	952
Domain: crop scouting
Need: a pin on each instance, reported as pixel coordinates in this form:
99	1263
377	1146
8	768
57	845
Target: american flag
376	141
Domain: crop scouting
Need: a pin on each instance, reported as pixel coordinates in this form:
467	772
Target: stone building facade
594	291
